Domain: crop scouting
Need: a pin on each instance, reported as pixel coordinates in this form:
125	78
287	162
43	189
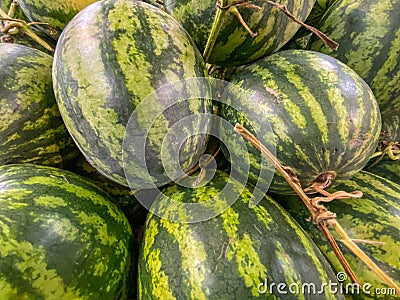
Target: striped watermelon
60	237
109	58
324	117
224	40
57	13
391	126
368	35
235	255
374	217
31	127
318	11
386	168
157	3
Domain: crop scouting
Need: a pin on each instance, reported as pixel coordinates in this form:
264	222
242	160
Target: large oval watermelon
31	127
61	237
368	36
324	117
112	56
239	254
375	217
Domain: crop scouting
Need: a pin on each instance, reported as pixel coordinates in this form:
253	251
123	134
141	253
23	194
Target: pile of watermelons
123	173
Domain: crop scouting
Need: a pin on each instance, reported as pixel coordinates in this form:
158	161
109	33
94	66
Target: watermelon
156	3
325	119
55	13
224	41
318	11
31	127
195	16
316	16
374	217
238	254
136	52
368	35
386	167
61	237
391	126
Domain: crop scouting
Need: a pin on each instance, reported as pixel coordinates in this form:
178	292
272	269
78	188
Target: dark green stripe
56	13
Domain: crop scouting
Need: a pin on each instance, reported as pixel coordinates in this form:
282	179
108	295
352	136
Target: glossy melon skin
134	49
229	256
31	127
324	117
61	237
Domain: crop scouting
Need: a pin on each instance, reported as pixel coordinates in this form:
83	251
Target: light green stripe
286	266
89	97
310	249
249	265
193	255
97	223
160	288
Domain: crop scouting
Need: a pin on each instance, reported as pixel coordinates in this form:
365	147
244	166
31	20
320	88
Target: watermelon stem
291	178
14	26
327	219
364	258
232	8
327	41
322	213
368	242
202	165
391	149
283	8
